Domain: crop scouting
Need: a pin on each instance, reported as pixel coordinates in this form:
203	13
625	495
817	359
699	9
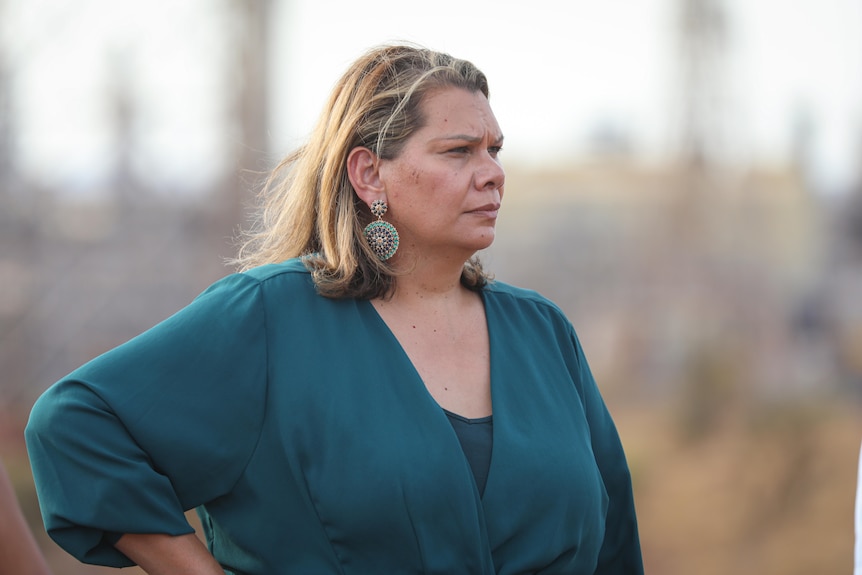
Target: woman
361	398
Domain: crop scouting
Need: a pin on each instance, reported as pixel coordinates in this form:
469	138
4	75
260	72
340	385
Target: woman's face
444	188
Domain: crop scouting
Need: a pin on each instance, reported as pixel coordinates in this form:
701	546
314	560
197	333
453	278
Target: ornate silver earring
381	236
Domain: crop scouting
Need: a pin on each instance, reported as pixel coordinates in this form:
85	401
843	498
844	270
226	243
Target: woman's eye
459	150
494	150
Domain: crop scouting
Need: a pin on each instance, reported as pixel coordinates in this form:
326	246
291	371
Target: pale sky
559	71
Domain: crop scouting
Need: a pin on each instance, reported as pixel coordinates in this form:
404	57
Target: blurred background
684	179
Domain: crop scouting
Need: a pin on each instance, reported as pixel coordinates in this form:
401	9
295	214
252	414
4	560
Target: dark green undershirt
477	439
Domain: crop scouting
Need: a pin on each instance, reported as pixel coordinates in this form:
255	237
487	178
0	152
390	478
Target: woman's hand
160	554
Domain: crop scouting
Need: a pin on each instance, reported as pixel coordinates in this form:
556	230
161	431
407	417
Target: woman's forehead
458	112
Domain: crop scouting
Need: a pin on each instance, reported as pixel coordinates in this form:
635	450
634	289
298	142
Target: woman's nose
491	175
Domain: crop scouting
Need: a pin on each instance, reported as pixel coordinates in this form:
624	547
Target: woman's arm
159	554
621	551
159	425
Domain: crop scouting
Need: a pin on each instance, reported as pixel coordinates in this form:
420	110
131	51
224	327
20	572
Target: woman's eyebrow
467	138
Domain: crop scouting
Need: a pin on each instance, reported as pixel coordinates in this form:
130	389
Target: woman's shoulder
293	268
528	303
253	283
520	296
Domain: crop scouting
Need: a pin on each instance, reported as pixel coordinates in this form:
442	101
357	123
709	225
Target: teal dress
299	429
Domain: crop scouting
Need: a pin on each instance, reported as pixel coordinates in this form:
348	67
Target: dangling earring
381	236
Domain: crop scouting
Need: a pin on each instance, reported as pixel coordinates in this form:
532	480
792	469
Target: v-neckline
438	411
418	377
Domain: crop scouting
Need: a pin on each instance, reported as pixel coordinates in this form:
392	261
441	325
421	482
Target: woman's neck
428	279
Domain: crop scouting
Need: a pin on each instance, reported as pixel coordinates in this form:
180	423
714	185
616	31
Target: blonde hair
309	207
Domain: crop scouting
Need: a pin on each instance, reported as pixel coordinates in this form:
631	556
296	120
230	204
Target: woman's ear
364	174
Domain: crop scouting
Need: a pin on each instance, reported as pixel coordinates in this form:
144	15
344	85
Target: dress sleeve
157	426
620	553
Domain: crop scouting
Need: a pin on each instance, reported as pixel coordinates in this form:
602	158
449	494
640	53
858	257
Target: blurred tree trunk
252	104
5	123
